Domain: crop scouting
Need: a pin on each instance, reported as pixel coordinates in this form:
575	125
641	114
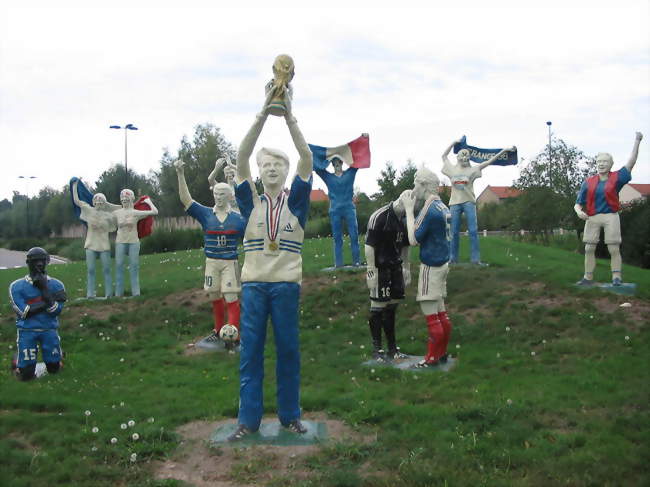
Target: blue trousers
105	257
349	214
280	301
133	250
28	342
469	209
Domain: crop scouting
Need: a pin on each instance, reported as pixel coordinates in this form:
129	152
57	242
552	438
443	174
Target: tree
553	185
391	184
199	156
111	182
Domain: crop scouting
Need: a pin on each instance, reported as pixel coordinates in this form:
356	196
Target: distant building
318	195
633	192
496	194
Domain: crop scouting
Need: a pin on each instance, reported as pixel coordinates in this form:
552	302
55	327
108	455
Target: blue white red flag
355	154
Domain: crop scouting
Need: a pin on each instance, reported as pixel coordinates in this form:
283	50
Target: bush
166	241
635	229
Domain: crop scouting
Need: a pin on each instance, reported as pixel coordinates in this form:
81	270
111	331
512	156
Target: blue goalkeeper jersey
432	232
220	239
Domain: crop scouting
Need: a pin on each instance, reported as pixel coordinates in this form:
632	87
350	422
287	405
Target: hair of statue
225	186
99	197
127	193
427	176
607	155
267	151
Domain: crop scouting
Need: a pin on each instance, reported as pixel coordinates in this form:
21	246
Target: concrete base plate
271	433
409	362
346	268
626	288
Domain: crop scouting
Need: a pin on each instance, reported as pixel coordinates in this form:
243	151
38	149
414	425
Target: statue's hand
513	149
288	96
371	277
408	200
639	136
582	215
230	171
179	165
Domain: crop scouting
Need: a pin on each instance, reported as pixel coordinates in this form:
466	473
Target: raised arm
145	213
408	200
212	177
183	190
306	161
445	158
248	142
485	164
75	195
635	151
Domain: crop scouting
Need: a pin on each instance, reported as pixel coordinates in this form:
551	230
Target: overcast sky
414	78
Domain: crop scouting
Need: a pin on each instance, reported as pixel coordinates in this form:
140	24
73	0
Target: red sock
233	313
446	326
218	311
436	337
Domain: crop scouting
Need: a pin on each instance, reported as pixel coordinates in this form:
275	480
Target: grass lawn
551	386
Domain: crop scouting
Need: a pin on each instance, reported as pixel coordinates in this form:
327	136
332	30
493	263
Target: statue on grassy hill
431	232
272	271
222	231
597	204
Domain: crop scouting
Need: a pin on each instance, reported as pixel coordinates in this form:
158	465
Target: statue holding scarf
463	200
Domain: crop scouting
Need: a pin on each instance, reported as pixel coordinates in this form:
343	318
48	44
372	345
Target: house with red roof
496	194
633	192
318	195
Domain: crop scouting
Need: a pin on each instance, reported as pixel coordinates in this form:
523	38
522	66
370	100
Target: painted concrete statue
340	190
127	241
272	271
597	204
98	215
37	300
222	231
388	274
431	232
463	200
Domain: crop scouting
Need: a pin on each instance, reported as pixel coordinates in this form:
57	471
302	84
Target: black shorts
390	284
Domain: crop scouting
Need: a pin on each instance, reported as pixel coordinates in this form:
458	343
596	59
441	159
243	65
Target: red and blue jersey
596	196
220	239
432	232
24	295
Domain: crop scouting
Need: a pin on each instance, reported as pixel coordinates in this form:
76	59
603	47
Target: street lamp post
27	178
127	127
549	123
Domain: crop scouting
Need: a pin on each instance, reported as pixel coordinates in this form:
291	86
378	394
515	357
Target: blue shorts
28	344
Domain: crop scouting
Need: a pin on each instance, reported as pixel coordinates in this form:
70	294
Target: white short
432	283
609	221
221	276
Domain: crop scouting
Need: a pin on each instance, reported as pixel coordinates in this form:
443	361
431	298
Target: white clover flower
362	347
131	423
627	338
95	429
121	360
151	420
532	354
457	346
101	333
113	440
87	413
123	426
135	436
544	341
372	371
133	457
507	328
119	328
81	325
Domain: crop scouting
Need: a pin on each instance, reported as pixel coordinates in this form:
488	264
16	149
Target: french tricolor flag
356	153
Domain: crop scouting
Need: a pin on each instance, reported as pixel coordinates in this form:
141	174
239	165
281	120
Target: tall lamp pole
549	123
127	127
27	178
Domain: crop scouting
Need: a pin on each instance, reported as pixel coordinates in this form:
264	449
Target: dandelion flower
457	346
134	457
87	413
131	423
113	440
151	420
94	448
532	354
135	436
123	426
507	328
509	402
95	429
627	338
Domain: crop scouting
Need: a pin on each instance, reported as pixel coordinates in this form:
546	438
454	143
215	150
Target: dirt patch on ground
199	465
638	313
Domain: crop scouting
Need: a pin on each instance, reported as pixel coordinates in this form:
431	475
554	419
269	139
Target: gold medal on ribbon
273	245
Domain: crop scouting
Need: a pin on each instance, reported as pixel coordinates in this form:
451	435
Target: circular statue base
271	433
409	363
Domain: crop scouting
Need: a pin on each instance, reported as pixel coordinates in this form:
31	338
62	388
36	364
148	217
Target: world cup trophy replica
283	72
